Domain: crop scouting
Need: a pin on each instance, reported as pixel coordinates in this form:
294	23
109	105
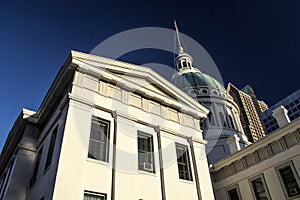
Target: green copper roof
194	79
247	89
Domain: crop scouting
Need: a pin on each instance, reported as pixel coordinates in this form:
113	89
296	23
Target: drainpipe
161	165
113	175
190	141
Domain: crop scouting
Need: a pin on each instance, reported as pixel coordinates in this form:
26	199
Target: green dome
196	79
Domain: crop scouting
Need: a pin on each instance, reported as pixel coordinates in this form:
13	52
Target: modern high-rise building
291	103
250	110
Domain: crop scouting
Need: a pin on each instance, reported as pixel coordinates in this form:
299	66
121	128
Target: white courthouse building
109	130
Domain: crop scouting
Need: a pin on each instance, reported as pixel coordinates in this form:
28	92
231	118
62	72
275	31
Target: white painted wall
77	173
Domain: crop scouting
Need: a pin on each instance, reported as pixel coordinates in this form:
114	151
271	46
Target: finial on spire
178	39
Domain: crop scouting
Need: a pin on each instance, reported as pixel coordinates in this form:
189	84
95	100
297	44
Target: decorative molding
260	155
283	144
269	151
102	88
297	136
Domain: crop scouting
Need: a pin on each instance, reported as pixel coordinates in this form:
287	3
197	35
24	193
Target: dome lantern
183	61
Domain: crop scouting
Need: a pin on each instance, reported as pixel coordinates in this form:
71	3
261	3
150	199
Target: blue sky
253	42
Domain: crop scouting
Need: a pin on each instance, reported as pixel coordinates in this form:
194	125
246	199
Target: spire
183	61
180	48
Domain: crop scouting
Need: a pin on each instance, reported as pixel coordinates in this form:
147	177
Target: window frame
231	122
107	136
36	166
188	162
51	147
96	194
6	177
236	187
254	193
151	151
296	176
223	121
211	119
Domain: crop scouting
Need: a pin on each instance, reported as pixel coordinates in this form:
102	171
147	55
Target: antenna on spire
178	39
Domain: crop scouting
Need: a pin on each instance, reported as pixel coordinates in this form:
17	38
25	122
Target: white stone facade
132	99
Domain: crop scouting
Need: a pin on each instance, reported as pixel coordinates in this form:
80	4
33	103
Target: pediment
138	79
148	85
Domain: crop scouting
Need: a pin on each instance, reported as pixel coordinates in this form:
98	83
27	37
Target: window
290	179
231	122
233	193
292	118
99	138
259	188
3	184
94	196
36	166
270	117
145	152
179	65
183	162
51	148
223	122
184	63
5	180
211	119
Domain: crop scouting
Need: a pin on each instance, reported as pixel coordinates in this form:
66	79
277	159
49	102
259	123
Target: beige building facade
250	110
267	169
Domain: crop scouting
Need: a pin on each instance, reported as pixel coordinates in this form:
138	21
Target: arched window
179	65
184	64
223	122
211	119
231	122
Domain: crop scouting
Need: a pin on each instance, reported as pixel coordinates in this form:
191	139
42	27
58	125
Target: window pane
36	167
233	194
259	189
290	182
94	150
231	122
51	148
184	169
95	130
98	145
145	152
93	197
